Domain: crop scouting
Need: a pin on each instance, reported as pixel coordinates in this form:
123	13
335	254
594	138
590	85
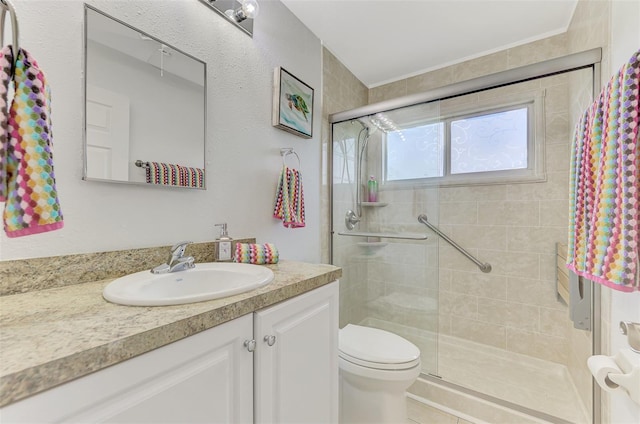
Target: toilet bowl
376	369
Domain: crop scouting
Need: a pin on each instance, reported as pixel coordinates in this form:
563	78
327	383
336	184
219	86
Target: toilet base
365	400
359	407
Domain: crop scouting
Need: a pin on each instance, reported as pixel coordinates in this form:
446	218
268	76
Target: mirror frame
85	40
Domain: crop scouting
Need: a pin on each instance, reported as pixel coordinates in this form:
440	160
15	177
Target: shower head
365	121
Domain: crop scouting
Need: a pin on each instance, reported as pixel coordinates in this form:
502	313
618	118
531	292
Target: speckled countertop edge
53	336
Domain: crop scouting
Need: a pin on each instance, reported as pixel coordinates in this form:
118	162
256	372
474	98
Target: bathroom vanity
269	355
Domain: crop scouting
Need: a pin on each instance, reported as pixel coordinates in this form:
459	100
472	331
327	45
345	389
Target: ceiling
382	41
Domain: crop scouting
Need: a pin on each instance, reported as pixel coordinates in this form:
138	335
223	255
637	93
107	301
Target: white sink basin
204	282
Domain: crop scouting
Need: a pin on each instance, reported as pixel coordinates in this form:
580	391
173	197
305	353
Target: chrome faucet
177	261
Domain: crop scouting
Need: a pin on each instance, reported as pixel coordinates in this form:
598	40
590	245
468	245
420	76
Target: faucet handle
179	248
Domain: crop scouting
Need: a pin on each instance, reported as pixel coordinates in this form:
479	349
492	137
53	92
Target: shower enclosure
458	252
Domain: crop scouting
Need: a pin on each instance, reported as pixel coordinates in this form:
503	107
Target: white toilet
376	369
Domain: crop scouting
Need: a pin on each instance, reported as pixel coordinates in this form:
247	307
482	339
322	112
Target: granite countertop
49	337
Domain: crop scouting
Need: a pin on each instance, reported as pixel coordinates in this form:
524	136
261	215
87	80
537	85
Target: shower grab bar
484	267
404	236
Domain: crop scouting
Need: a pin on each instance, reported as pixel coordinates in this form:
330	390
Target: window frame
535	170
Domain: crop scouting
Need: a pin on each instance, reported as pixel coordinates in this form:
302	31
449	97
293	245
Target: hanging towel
191	177
174	175
162	173
289	204
6	63
27	180
259	254
604	185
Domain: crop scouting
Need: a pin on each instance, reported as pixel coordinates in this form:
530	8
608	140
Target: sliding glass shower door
488	171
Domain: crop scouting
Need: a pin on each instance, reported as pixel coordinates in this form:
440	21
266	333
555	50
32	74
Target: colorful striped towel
289	204
604	200
259	254
27	180
174	175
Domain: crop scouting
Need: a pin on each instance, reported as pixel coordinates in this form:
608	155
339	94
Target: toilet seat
377	349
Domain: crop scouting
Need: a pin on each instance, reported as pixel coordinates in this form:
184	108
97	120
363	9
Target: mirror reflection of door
107	135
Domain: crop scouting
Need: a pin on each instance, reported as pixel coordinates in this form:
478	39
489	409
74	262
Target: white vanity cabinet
296	359
212	376
205	378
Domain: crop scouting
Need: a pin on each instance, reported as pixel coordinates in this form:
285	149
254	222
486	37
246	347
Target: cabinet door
205	378
296	359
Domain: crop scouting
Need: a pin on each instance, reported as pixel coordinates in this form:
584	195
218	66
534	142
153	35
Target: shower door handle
580	290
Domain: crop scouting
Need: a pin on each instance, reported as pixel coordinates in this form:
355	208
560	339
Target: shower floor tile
530	382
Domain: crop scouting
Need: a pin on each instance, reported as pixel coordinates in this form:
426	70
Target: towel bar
141	164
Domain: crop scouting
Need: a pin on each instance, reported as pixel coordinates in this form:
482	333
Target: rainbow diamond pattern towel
174	175
259	254
27	180
604	185
289	204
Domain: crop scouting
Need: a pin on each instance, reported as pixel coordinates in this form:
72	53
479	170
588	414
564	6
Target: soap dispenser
224	243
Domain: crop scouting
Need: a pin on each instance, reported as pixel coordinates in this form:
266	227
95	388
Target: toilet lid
376	348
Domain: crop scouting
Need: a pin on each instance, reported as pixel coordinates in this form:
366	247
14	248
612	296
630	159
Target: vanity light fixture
247	9
239	12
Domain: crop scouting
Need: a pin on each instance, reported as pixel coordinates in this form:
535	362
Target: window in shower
488	143
416	152
496	141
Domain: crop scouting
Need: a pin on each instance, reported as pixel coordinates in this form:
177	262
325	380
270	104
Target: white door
205	378
107	135
296	359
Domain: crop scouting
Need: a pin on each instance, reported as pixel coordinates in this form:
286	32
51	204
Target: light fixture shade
247	9
251	8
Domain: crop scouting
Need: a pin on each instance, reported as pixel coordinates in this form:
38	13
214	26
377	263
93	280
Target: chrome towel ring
286	152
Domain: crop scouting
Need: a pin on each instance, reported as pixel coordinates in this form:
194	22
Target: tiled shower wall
514	227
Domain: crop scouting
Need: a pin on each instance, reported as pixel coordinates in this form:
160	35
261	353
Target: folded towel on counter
174	175
604	199
259	254
27	180
289	204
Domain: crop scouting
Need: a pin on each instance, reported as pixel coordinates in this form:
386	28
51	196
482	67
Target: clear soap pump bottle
372	189
224	243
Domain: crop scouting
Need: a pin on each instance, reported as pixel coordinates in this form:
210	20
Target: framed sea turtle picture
292	104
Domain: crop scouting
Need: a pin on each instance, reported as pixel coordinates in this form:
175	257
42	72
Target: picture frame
292	104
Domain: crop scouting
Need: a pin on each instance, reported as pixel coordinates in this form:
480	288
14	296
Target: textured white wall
625	39
243	157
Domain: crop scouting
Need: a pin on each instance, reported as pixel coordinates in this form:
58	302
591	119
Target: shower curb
472	406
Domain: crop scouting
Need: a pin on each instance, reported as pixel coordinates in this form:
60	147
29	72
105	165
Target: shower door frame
573	62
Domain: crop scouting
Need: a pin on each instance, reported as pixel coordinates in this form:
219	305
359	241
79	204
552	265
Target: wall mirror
145	107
